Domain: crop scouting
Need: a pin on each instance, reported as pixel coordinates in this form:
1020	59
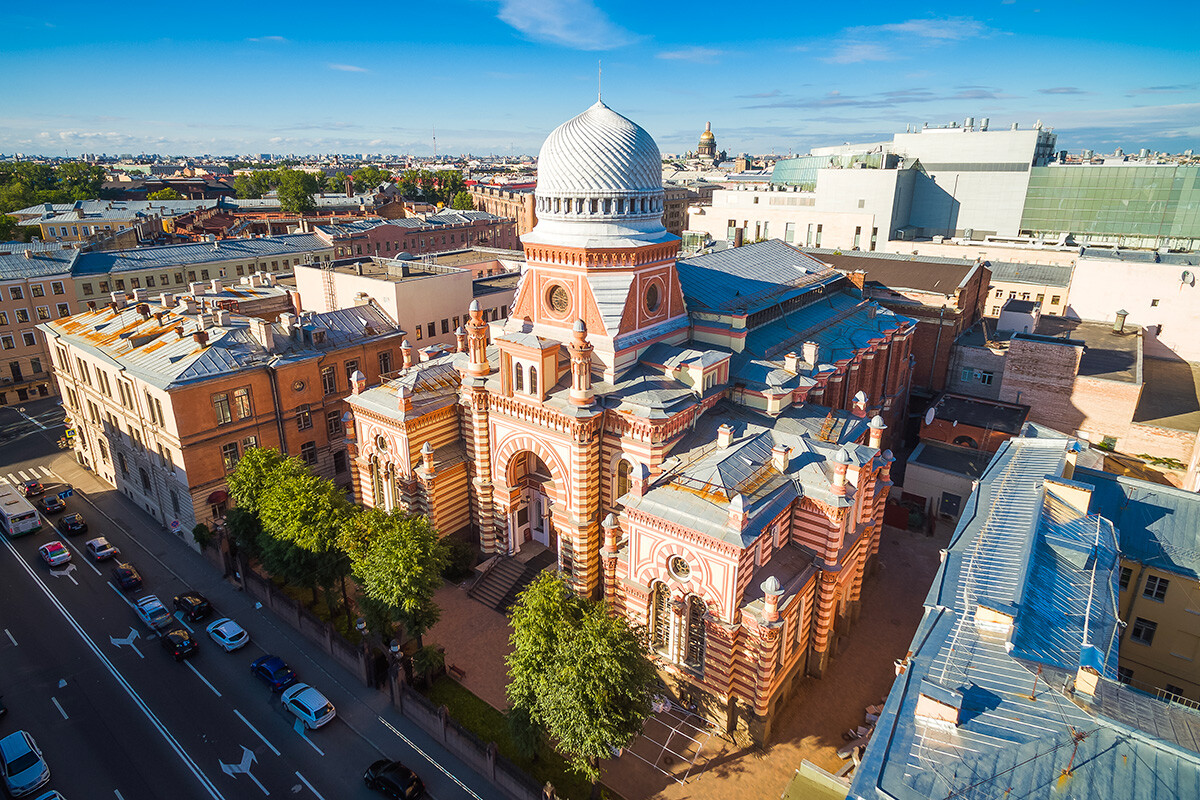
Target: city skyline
491	77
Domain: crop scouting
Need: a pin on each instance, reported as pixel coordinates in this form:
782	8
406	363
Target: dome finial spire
599	80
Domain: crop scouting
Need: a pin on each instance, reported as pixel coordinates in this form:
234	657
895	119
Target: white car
55	553
152	612
228	634
310	706
100	550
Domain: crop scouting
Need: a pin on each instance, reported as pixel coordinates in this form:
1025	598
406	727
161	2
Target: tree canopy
294	188
432	187
463	202
580	672
165	194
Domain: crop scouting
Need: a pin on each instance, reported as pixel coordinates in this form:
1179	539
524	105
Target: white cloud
348	68
856	52
266	39
879	42
701	55
577	24
948	28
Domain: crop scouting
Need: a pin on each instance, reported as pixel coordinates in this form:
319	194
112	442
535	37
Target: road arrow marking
299	728
65	572
243	768
128	640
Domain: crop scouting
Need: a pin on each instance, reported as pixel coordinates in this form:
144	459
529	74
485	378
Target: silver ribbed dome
598	151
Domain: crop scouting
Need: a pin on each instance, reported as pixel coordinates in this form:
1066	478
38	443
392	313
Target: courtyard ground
810	725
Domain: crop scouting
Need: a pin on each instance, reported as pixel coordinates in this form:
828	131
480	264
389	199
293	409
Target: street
116	716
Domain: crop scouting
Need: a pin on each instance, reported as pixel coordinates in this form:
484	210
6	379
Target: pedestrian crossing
21	476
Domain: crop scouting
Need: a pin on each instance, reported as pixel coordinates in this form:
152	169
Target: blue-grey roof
184	255
1142	256
167	208
751	277
839	323
33	263
1041	274
1157	525
1020	549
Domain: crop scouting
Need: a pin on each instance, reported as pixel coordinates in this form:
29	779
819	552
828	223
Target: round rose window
381	443
652	298
679	568
558	299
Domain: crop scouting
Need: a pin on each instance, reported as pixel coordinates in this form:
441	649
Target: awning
219	496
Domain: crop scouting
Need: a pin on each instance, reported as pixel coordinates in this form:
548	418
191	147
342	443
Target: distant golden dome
707	136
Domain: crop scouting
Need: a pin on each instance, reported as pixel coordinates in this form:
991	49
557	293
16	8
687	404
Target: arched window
623	471
175	503
533	386
694	656
145	480
376	483
518	378
660	618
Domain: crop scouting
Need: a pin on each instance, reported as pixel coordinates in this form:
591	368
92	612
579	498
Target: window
135	283
533	384
445	326
333	423
985	378
308	453
120	284
164	279
339	461
164	456
102	380
249	442
432	328
203	274
3	317
858	231
418	331
241	403
35	365
385	362
328	380
87	288
7	342
36	290
303	418
64	310
103	287
191	276
1156	588
178	277
1054	300
221	406
624	468
28	338
145	480
229	455
22	315
518	378
1041	297
123	465
660	618
1143	631
149	281
104	451
1153	303
351	368
16	293
1126	574
1124	674
175	503
1171	688
694	655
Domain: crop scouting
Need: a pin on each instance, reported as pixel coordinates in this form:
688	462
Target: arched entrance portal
533	492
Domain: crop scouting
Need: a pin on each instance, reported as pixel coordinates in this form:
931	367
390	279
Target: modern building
166	397
1011	687
698	441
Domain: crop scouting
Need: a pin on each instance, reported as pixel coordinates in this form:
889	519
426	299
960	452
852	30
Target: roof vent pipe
1119	325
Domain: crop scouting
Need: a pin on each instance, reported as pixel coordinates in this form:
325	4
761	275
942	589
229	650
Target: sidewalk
367	705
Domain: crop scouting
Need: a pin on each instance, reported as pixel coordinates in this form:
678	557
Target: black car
179	643
34	489
393	779
274	671
50	504
127	576
194	605
72	524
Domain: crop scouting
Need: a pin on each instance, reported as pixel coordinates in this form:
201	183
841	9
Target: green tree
304	509
398	560
165	194
369	177
581	673
244	187
463	202
295	190
250	479
335	183
80	181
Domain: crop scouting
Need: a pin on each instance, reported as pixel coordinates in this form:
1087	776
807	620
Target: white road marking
11	638
3	480
179	616
121	595
201	677
256	733
34	421
299	728
209	787
46	471
311	788
81	554
24	477
442	769
13	478
243	768
59	707
128	640
118	794
65	572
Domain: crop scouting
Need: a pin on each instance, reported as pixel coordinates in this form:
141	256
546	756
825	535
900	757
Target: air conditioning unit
976	375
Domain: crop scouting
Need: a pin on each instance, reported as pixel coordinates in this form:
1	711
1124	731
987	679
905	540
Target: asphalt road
117	717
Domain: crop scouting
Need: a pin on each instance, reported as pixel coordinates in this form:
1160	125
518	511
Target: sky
494	77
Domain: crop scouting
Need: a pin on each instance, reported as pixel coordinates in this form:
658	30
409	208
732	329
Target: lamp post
393	669
361	626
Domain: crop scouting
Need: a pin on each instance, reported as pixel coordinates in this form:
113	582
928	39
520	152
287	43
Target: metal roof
750	277
1021	550
839	323
898	271
184	255
32	263
1041	274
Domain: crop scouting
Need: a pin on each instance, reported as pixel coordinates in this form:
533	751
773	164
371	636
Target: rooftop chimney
781	456
167	299
1118	326
791	363
810	352
216	286
144	310
724	435
222	317
201	337
118	300
263	333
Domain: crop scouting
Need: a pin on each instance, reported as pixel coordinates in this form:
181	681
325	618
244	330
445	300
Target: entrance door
523	530
540	525
15	367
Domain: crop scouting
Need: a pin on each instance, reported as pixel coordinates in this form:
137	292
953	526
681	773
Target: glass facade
1134	206
802	171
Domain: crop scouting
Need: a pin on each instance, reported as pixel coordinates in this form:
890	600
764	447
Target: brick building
166	397
514	204
435	233
699	442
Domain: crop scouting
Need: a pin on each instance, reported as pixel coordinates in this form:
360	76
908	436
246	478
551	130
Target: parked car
152	612
274	671
127	576
24	768
310	706
228	634
393	779
50	504
180	643
55	553
34	489
72	524
193	605
99	549
53	794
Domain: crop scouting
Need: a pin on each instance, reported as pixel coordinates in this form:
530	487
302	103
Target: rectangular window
789	232
303	418
7	342
432	327
339	461
1143	631
1054	300
1153	303
351	368
328	380
1156	588
333	423
35	365
22	315
1173	689
229	455
16	293
28	338
149	281
178	277
36	290
43	312
445	326
221	407
3	317
985	378
1124	674
165	280
308	453
1126	574
999	293
385	362
241	403
64	310
203	274
191	276
135	283
1041	297
857	233
103	287
87	288
120	284
104	452
249	442
418	330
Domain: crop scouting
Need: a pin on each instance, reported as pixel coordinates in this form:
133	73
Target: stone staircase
498	589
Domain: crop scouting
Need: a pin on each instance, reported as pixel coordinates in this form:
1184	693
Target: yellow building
1048	285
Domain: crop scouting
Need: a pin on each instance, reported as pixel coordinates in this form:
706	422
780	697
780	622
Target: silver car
310	706
21	761
228	634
